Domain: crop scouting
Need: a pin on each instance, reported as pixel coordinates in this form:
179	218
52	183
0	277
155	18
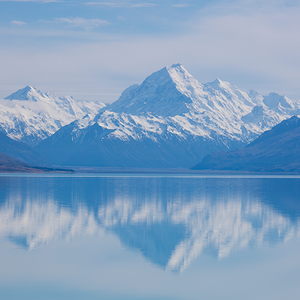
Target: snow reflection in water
170	220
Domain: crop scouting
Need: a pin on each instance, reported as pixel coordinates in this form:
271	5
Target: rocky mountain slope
275	150
170	120
30	115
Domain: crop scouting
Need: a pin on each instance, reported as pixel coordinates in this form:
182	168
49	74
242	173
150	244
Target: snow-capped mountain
30	116
170	120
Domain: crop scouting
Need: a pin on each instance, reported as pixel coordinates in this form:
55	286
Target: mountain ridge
30	115
276	150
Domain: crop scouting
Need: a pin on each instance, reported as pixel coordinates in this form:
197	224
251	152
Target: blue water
121	236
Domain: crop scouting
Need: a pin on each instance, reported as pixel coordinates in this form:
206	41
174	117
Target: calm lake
157	236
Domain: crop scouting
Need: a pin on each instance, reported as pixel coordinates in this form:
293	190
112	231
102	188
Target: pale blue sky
95	49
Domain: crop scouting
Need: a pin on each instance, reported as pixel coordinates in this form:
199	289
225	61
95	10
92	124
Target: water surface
121	236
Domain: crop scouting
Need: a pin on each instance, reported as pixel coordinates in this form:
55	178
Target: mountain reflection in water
171	220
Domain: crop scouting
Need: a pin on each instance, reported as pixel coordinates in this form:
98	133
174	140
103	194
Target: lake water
161	236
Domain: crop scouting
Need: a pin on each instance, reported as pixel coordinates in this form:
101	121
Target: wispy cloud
181	5
251	43
19	23
130	5
41	1
79	22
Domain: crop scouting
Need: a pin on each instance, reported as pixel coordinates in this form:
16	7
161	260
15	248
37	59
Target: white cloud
251	48
79	22
130	5
20	23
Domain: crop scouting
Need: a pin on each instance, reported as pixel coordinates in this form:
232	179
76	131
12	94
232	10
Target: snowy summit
30	115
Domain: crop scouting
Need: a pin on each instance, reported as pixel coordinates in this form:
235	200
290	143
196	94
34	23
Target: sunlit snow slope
30	116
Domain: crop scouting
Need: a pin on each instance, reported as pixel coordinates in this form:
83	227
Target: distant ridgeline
276	150
170	120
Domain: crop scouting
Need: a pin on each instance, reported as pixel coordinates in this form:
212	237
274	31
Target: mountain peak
273	100
176	65
165	93
178	69
220	85
28	88
26	93
217	83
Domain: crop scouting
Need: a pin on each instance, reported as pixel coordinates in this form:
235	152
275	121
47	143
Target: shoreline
142	171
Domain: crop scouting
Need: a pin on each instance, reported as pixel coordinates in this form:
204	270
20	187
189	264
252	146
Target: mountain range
170	120
31	116
277	149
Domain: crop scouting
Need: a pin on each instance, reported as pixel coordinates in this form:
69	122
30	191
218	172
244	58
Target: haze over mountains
170	120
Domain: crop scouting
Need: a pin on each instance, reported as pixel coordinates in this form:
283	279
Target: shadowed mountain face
275	150
169	220
170	120
20	151
97	148
9	164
